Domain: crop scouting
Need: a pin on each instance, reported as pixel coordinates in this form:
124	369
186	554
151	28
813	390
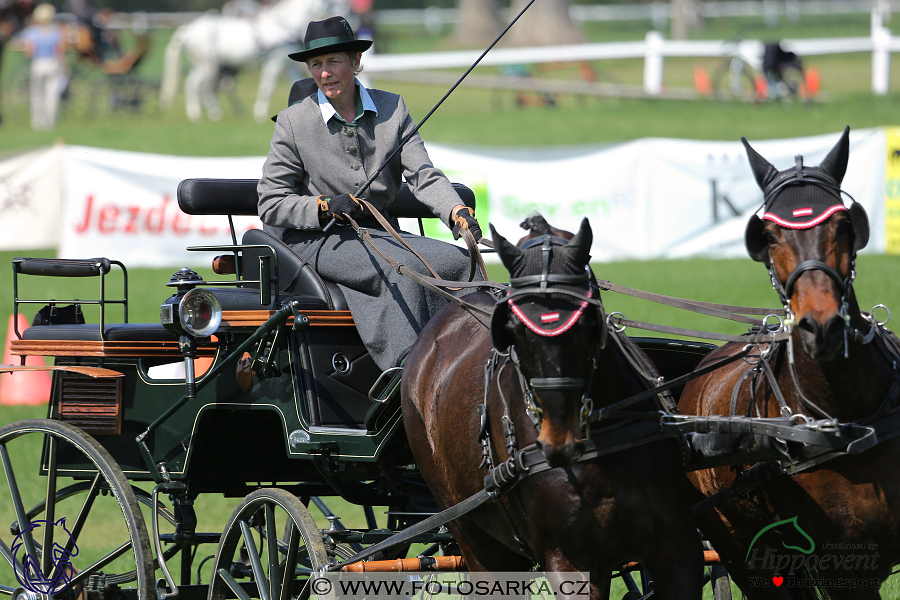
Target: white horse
213	41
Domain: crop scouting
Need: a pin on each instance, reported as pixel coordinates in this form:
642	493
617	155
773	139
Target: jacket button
355	167
349	132
352	149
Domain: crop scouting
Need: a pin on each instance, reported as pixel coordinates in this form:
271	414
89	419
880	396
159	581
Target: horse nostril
809	331
834	331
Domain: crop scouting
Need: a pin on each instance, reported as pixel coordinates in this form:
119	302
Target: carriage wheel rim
304	540
106	471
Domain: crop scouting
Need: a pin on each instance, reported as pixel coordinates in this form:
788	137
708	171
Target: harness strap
473	249
432	522
609	411
813	265
751	338
725	311
425	281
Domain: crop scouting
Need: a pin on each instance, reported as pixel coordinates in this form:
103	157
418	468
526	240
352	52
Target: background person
323	149
44	45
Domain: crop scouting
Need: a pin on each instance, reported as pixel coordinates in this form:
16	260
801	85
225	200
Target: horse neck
846	388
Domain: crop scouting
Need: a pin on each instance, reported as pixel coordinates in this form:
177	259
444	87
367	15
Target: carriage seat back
239	197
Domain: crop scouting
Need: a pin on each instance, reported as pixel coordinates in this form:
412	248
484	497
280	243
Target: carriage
286	411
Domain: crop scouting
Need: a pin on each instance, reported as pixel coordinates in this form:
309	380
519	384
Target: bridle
546	284
859	221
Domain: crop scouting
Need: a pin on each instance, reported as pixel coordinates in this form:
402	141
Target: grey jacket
309	158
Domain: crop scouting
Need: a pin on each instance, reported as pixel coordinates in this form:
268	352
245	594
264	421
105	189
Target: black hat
331	35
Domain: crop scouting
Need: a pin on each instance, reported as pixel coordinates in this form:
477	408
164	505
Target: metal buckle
618	328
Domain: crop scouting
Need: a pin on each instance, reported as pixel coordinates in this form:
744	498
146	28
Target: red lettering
109	216
207	230
133	214
155	223
181	224
81	228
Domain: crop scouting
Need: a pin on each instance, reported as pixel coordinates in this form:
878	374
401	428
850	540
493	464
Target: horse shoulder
700	395
444	369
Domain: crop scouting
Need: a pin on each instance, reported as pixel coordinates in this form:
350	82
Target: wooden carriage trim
317	318
96	372
99	349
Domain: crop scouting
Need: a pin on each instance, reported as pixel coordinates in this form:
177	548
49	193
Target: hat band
329	41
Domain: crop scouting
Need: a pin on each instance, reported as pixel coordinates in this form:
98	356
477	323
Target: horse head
808	240
552	329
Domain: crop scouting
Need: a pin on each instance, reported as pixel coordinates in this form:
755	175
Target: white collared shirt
328	110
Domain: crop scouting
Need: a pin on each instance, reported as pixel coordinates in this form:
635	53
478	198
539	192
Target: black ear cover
501	328
860	221
757	246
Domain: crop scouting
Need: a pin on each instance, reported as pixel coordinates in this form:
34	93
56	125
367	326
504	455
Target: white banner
650	198
123	205
30	200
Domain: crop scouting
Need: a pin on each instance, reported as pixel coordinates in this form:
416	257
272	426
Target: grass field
480	117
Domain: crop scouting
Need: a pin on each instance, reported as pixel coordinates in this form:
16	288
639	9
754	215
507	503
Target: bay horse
554	357
842	515
214	41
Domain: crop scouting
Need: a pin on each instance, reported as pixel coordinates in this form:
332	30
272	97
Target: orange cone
702	84
813	81
27	387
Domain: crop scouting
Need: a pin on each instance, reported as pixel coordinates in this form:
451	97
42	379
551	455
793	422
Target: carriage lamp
200	312
197	313
192	310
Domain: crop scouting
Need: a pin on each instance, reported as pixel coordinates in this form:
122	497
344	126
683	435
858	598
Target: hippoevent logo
32	576
801	565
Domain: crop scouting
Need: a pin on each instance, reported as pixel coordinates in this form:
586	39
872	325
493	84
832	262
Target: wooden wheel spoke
272	551
290	564
15	564
50	507
21	517
234	585
101	563
81	518
255	563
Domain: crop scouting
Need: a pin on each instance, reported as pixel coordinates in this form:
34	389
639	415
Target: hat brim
352	46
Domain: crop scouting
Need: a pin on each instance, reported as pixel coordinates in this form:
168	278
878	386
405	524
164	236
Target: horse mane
537	225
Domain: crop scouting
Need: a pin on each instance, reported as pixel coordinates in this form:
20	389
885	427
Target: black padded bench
295	276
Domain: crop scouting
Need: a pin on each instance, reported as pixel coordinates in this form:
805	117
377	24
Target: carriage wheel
793	84
83	508
275	567
731	83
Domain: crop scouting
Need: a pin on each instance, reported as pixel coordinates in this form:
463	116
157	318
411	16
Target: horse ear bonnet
548	312
757	246
802	197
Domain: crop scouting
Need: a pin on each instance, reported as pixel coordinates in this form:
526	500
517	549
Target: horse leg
731	537
198	87
268	78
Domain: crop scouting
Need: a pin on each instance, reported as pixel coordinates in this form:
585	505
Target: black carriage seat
295	276
90	332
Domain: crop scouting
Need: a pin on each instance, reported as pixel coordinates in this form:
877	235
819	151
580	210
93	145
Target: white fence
658	13
654	49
